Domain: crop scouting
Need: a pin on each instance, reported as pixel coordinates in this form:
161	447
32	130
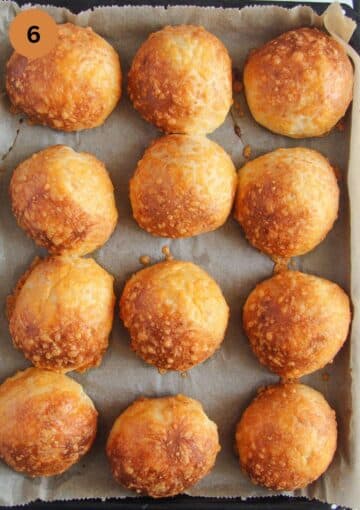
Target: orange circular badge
33	33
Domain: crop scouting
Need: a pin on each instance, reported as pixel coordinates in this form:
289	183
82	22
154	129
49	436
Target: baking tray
187	502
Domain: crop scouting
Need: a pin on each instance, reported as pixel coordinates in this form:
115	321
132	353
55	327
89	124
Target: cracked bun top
296	323
64	200
47	422
75	86
287	201
61	312
162	446
299	84
180	80
176	314
183	186
287	437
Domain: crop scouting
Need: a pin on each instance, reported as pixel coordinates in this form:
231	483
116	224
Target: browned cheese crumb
281	264
166	251
247	152
145	260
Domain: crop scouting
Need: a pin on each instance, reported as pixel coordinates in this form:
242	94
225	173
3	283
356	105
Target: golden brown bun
286	438
287	201
64	200
299	84
47	422
296	323
180	80
162	446
61	313
183	186
75	86
176	314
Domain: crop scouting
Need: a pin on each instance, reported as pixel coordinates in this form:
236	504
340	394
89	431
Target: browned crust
175	313
74	346
287	437
183	186
180	80
59	90
11	298
50	214
299	84
296	323
160	447
47	423
73	229
65	338
287	201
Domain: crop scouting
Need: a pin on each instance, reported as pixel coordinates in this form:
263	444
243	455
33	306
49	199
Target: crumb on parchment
280	264
145	260
247	152
166	251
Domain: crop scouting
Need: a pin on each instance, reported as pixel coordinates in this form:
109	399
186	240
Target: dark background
186	502
80	5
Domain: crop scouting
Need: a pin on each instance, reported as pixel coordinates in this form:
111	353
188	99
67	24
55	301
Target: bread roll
176	314
64	200
287	436
296	323
73	87
183	186
287	201
47	422
180	80
162	446
61	313
299	84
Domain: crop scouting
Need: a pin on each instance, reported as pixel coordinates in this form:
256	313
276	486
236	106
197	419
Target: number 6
32	34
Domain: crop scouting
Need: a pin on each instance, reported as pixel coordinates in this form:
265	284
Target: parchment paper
228	381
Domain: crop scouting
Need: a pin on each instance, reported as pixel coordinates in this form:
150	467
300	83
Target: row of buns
285	439
61	314
299	84
286	200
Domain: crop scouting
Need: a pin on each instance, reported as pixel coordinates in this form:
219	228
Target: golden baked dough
162	446
47	422
176	314
64	200
296	323
287	201
61	313
299	84
180	80
75	86
183	186
287	436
